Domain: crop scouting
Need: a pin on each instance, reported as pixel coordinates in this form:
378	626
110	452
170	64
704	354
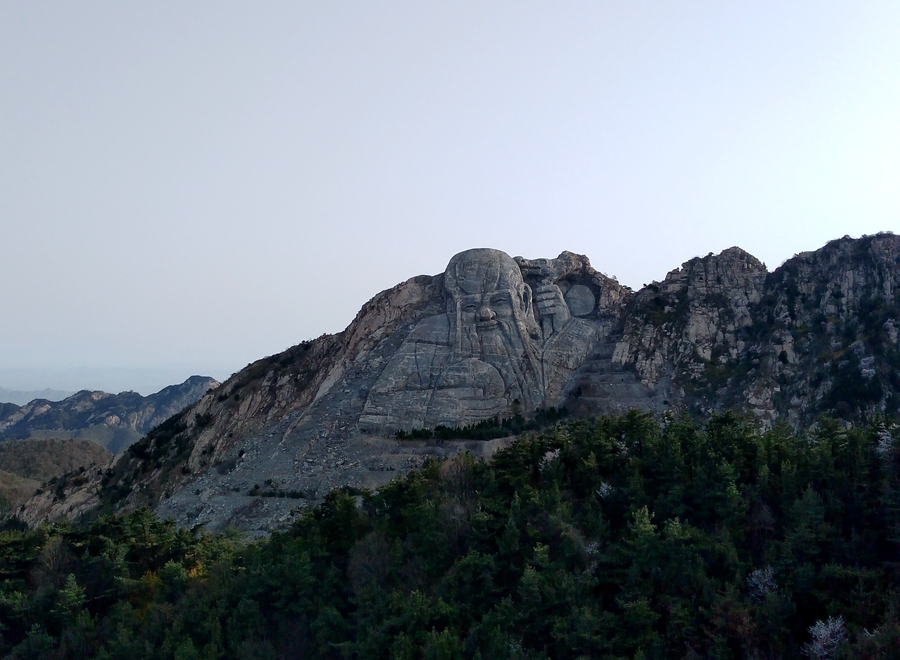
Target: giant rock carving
501	346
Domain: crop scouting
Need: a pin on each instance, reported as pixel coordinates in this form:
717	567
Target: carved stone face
486	311
491	318
485	290
485	356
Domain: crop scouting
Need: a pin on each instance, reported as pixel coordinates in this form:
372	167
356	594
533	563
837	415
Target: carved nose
486	314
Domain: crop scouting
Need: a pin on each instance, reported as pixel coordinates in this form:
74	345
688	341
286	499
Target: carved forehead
482	270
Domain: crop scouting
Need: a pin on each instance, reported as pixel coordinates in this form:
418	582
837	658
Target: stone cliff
496	337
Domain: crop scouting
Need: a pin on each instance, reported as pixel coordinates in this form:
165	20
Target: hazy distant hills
20	397
112	420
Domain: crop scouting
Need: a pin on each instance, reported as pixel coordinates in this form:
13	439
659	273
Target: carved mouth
486	325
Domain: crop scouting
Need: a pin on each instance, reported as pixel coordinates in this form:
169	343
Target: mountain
20	398
113	420
427	367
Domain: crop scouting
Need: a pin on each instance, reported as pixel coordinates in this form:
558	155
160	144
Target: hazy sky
186	187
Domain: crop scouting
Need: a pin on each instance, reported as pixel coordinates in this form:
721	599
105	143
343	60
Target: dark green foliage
611	538
157	443
276	492
850	392
203	421
294	361
488	429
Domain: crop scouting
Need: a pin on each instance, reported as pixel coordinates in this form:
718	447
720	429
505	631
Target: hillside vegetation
41	459
15	490
26	464
618	537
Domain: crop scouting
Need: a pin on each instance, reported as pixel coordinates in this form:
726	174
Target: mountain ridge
113	420
815	336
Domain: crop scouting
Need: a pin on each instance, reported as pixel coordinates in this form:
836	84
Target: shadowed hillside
15	490
45	458
614	538
26	464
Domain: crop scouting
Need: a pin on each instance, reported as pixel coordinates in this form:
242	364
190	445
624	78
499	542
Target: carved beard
504	348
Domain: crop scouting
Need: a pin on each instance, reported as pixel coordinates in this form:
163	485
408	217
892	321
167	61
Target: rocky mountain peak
495	338
716	273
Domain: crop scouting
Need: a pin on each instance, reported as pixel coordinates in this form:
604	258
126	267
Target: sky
186	187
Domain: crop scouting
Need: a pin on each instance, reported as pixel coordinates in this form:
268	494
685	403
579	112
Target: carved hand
552	309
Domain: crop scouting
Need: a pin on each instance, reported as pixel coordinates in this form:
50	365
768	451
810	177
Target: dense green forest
623	537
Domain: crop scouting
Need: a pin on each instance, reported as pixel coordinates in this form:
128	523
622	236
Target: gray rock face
495	335
699	309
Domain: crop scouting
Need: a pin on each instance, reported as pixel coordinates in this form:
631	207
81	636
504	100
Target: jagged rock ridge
498	336
113	420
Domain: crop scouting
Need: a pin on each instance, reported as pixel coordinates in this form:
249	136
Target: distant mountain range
72	379
112	420
44	439
21	397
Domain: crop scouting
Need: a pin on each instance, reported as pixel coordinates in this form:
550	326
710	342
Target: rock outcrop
496	337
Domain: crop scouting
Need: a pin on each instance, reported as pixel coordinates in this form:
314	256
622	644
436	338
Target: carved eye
496	302
470	308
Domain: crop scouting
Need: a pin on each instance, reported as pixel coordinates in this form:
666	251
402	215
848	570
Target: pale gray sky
186	187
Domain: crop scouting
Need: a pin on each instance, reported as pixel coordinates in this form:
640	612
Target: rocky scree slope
818	335
113	420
